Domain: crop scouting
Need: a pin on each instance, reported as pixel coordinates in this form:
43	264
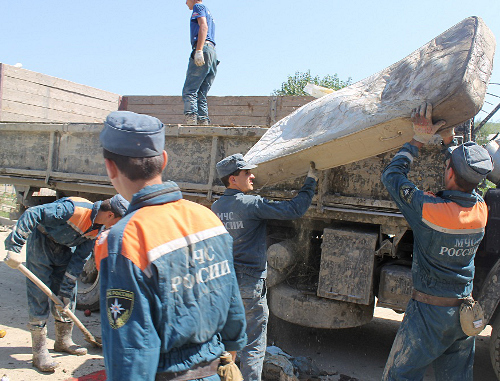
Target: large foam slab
372	116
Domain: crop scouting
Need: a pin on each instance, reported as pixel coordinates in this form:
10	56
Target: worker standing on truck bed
60	237
447	229
245	216
202	66
170	303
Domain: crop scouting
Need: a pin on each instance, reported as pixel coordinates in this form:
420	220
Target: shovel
88	336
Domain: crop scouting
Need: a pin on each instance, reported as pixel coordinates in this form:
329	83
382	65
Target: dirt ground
347	354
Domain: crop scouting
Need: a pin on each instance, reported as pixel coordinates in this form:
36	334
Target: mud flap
347	265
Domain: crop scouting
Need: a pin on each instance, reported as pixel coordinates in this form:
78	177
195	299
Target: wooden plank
46	80
30	100
257	111
13	117
212	100
37	113
294	101
15	85
1	88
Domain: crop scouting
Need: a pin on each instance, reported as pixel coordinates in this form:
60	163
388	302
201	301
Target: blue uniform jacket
447	229
169	295
244	217
69	222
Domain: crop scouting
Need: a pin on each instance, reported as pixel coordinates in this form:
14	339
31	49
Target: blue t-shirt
199	10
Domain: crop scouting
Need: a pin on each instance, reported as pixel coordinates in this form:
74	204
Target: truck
350	252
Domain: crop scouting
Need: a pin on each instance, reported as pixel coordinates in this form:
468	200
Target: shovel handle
32	277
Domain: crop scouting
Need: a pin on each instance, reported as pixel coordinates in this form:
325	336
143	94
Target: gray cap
119	205
471	161
134	135
231	164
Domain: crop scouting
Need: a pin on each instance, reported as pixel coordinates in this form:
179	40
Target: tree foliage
482	138
295	84
485	131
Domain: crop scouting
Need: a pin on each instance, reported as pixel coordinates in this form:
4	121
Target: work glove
313	172
199	60
65	304
13	259
421	118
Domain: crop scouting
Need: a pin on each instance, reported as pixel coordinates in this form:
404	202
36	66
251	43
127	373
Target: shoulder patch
406	193
120	304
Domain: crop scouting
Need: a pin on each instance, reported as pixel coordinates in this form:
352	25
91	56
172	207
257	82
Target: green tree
482	138
488	129
295	84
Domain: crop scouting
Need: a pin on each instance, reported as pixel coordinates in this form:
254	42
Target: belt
206	43
436	300
198	371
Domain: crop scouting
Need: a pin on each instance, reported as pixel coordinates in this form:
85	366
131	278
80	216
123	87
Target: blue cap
231	164
119	205
134	135
471	161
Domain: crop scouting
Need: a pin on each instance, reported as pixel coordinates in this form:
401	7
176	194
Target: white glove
199	60
64	306
13	259
421	118
313	172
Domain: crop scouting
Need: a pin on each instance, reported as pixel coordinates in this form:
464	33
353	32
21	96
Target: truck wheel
87	297
495	346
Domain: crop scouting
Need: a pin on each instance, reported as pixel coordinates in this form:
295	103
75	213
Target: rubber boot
64	342
41	356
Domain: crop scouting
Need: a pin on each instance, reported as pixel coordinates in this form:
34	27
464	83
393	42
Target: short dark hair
463	184
106	207
225	179
136	168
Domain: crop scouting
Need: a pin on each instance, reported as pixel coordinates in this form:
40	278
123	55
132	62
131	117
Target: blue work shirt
447	228
244	217
68	221
169	294
200	10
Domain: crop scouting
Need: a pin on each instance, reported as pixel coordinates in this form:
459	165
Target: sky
141	47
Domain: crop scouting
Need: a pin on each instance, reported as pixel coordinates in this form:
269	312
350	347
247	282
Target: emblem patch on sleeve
119	304
406	193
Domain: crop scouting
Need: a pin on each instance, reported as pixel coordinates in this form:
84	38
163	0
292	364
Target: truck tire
495	346
87	297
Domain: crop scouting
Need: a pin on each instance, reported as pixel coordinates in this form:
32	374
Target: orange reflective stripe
81	218
171	221
449	215
101	248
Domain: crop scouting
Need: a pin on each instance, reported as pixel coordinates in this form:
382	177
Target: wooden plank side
294	101
212	100
35	113
255	111
46	80
30	89
32	100
1	88
13	117
218	120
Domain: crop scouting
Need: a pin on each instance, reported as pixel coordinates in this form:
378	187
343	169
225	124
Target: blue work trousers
199	79
48	261
253	293
430	335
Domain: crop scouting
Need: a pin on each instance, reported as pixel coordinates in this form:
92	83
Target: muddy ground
356	353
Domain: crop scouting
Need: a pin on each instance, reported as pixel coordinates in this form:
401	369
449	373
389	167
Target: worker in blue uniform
202	66
59	238
245	217
447	229
170	304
